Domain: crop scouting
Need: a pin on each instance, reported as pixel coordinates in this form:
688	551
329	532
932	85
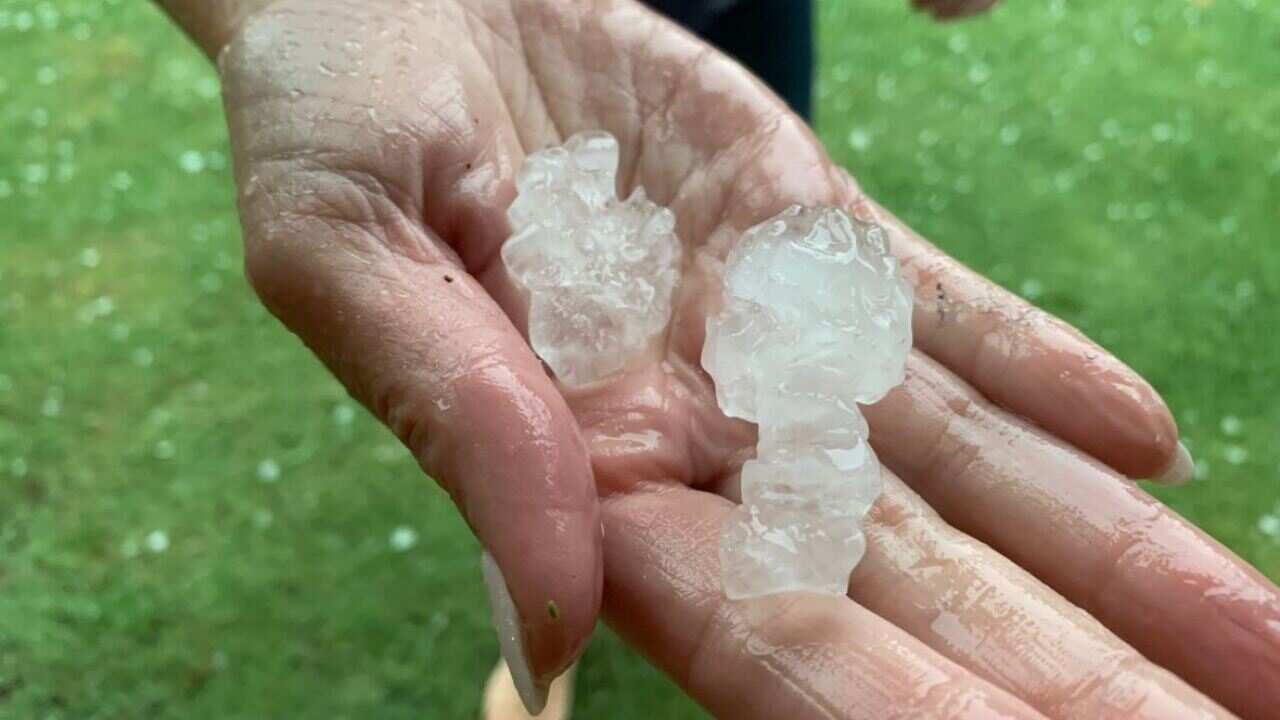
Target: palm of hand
376	145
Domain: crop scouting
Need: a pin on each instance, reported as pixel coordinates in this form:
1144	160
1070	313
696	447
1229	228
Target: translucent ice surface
599	271
814	320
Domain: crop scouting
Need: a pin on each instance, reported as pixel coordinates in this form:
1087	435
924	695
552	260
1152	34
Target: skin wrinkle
518	52
557	123
455	134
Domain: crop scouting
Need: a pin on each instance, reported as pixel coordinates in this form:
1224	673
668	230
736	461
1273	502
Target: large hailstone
814	320
599	272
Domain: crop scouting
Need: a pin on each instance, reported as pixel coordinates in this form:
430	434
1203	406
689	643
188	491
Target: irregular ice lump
599	271
814	320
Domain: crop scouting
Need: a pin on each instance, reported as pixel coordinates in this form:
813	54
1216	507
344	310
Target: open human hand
1008	572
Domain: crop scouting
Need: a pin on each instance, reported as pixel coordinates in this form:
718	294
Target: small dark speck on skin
552	610
448	278
942	299
468	166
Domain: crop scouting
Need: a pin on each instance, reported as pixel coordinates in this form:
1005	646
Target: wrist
211	23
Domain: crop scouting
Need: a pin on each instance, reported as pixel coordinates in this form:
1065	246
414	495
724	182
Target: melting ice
815	319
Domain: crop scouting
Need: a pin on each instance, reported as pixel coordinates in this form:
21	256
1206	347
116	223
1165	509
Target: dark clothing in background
774	38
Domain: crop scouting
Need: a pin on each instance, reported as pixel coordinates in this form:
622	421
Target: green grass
1120	166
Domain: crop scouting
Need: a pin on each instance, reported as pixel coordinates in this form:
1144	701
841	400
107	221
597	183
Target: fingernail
510	638
1181	470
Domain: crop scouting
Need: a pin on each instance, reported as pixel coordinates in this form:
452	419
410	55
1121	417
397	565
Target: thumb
414	337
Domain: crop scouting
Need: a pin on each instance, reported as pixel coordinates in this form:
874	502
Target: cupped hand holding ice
376	148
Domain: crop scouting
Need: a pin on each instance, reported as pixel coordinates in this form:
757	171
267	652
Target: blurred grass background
195	522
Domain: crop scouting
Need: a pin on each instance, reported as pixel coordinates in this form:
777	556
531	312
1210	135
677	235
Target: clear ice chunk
598	272
814	320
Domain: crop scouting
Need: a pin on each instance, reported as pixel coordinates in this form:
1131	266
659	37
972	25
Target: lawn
196	522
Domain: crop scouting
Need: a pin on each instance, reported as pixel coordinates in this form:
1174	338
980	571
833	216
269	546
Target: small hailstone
343	414
157	541
263	518
815	319
1269	525
403	538
1235	454
191	162
268	470
1231	425
599	272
